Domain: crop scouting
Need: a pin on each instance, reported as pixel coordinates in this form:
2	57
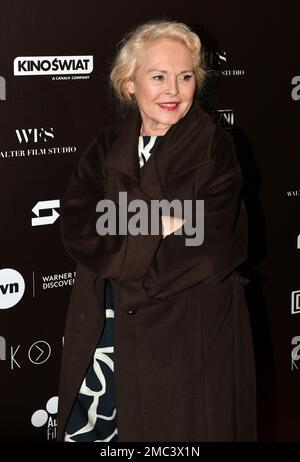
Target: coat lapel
184	147
122	156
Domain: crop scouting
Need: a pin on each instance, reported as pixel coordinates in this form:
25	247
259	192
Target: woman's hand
170	224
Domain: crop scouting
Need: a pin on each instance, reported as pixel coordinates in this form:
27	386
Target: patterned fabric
146	143
145	147
94	415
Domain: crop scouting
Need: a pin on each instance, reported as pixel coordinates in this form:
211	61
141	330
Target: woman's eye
187	77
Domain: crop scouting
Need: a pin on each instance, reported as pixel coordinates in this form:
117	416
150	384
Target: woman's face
164	75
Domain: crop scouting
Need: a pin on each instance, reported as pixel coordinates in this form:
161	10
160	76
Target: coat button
131	311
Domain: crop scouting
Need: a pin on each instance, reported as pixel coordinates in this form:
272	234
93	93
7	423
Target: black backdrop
47	121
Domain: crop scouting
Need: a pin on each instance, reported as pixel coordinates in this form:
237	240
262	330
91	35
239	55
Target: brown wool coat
184	364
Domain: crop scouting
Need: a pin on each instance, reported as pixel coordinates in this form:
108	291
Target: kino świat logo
12	288
53	65
295	302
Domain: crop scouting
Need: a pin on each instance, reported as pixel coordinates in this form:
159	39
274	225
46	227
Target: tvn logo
12	288
40	207
2	88
35	135
295	302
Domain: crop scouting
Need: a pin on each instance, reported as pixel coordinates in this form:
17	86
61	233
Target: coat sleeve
106	255
177	266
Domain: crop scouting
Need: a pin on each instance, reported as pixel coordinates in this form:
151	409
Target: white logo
214	58
295	302
296	90
44	205
53	65
293	193
39	352
35	135
41	417
295	351
2	88
2	349
52	281
12	287
220	59
223	118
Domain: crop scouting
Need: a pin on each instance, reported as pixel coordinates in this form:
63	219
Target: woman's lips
169	107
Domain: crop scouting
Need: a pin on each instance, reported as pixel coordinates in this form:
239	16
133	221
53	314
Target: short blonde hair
131	46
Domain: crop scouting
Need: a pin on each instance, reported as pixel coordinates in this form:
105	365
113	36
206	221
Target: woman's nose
172	86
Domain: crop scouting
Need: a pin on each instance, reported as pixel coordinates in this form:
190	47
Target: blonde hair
132	45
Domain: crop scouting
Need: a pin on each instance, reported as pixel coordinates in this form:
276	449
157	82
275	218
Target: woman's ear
130	86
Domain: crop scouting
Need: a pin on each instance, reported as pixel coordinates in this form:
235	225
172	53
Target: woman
157	342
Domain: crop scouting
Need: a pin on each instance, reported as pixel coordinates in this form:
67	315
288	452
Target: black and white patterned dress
94	414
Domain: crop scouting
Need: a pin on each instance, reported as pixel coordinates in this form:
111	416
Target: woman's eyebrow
157	70
164	72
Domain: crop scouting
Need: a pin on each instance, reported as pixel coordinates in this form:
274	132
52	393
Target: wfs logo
295	352
50	218
34	135
296	90
295	302
53	65
215	58
12	287
2	88
47	417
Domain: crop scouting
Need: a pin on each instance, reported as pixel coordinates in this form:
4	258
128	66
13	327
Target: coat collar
185	146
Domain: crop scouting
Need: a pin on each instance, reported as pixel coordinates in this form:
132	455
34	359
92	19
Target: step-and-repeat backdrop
54	97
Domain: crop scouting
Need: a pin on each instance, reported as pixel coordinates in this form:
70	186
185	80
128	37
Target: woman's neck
150	132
